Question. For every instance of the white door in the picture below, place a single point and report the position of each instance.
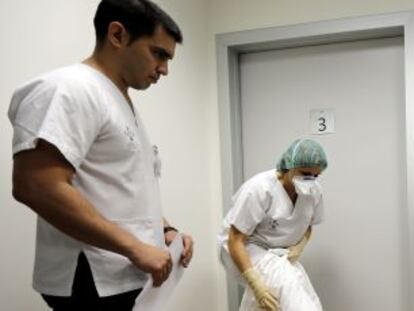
(356, 258)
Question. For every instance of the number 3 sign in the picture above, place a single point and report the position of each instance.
(322, 121)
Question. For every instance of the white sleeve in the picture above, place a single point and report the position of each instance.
(318, 214)
(248, 210)
(64, 115)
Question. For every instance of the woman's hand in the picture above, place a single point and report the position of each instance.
(294, 253)
(296, 250)
(261, 292)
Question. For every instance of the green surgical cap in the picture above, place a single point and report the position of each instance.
(303, 153)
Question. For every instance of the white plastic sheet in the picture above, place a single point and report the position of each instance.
(288, 282)
(155, 298)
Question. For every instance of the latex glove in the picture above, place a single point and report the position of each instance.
(296, 250)
(294, 253)
(261, 292)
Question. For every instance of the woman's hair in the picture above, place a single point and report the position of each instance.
(302, 153)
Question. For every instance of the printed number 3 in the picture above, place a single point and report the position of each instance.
(322, 124)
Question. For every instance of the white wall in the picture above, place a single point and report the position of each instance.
(235, 15)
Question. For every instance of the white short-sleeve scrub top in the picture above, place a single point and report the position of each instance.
(264, 212)
(83, 114)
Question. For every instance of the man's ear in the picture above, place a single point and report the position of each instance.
(117, 35)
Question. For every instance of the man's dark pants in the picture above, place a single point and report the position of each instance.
(85, 297)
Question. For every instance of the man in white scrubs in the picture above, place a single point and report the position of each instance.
(84, 164)
(268, 227)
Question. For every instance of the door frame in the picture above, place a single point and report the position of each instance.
(230, 45)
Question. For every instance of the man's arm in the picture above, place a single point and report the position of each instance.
(42, 181)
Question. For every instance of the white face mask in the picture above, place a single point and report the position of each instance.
(306, 184)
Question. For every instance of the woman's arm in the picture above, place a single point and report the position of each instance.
(241, 258)
(237, 249)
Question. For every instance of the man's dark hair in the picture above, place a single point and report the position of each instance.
(139, 17)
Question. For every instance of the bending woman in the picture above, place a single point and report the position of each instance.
(268, 227)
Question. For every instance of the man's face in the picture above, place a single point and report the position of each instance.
(146, 59)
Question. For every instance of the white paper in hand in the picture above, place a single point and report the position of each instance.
(155, 298)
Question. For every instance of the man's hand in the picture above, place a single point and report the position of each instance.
(188, 250)
(153, 260)
(187, 243)
(170, 236)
